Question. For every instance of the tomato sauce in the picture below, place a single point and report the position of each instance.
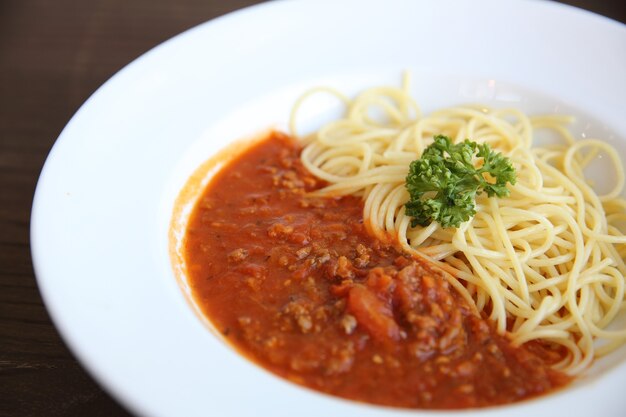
(297, 285)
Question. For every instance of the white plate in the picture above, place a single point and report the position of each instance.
(104, 200)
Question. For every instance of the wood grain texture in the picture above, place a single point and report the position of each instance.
(53, 55)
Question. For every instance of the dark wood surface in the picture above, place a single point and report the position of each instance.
(53, 55)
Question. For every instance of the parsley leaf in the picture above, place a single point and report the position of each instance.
(443, 183)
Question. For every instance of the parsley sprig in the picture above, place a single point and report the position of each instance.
(444, 182)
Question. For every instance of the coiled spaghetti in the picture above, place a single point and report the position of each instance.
(546, 263)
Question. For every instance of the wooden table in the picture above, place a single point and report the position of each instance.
(53, 55)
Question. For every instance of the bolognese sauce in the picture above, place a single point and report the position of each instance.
(297, 285)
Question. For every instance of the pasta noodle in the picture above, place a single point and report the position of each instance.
(545, 263)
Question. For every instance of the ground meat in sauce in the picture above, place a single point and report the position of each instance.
(296, 284)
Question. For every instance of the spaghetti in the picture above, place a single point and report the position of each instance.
(546, 263)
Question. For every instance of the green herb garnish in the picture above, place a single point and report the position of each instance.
(444, 182)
